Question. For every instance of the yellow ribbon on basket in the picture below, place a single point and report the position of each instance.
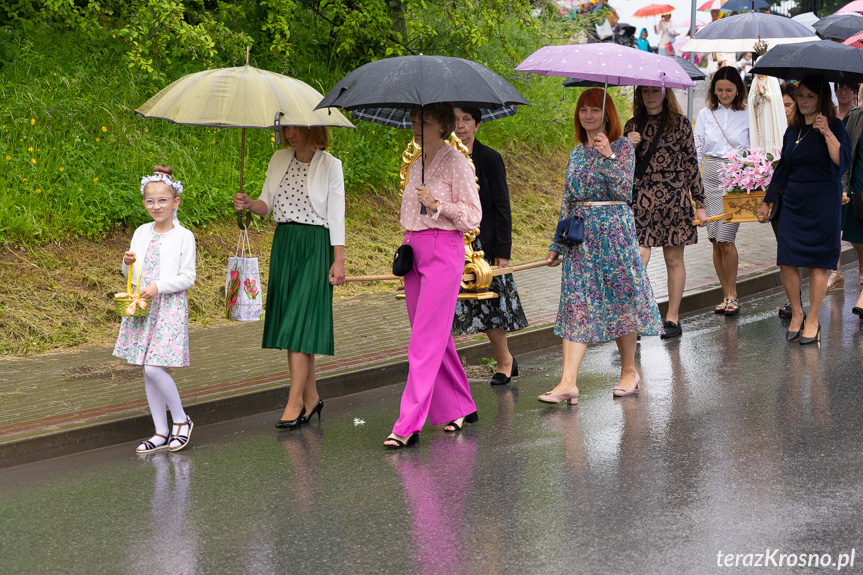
(135, 297)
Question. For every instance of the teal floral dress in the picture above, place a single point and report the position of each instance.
(604, 292)
(162, 336)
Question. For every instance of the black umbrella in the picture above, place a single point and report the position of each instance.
(744, 5)
(739, 33)
(691, 70)
(407, 81)
(833, 61)
(839, 26)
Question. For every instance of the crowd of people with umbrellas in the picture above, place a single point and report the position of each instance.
(628, 188)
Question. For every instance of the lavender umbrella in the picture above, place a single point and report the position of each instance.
(609, 64)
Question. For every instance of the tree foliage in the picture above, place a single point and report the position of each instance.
(156, 35)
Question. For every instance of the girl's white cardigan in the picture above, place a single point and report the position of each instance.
(176, 257)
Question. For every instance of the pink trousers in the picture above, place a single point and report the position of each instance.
(437, 386)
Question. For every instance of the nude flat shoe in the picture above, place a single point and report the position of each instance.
(624, 391)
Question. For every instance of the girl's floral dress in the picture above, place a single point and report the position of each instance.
(604, 292)
(161, 337)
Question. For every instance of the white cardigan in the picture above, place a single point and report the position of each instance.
(176, 257)
(326, 186)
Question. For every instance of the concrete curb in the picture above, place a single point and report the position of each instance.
(133, 428)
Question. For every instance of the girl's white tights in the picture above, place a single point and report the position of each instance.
(162, 390)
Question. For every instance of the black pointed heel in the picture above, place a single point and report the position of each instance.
(316, 409)
(808, 340)
(795, 335)
(857, 311)
(292, 423)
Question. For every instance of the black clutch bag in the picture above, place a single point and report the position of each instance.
(403, 261)
(570, 231)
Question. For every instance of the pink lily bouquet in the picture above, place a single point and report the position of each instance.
(748, 171)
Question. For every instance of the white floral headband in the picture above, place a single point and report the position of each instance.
(161, 177)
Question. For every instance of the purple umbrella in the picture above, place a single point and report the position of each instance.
(612, 64)
(609, 64)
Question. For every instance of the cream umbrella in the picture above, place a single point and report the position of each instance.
(241, 97)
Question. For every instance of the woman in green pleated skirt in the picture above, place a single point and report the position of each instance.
(305, 191)
(299, 314)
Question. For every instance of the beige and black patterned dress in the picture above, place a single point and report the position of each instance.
(662, 199)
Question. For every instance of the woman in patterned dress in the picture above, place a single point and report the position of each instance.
(161, 258)
(605, 293)
(666, 183)
(498, 316)
(305, 190)
(721, 128)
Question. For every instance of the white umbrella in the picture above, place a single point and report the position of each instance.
(807, 19)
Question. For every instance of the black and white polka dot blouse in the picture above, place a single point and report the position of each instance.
(291, 202)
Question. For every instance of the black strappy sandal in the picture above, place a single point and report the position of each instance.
(149, 447)
(413, 439)
(471, 418)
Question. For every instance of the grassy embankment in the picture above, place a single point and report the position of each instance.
(72, 154)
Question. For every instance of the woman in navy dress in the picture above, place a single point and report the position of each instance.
(815, 153)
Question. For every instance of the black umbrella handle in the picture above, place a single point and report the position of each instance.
(423, 209)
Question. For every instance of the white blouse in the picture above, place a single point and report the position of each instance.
(291, 202)
(709, 128)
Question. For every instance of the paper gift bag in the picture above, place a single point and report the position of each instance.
(243, 300)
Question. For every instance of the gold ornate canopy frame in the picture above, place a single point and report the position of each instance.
(475, 287)
(477, 272)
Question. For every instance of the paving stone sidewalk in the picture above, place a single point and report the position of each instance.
(52, 392)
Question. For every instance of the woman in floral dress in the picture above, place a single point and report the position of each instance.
(605, 292)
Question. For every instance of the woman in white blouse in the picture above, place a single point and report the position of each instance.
(305, 191)
(721, 128)
(437, 387)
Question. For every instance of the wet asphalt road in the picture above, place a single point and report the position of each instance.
(739, 443)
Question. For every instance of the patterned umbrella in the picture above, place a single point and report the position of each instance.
(609, 64)
(400, 117)
(856, 40)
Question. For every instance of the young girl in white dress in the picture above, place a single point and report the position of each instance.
(165, 250)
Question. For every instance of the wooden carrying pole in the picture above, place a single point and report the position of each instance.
(496, 271)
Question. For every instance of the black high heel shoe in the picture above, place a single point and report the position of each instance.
(292, 423)
(808, 340)
(857, 311)
(456, 426)
(795, 335)
(316, 409)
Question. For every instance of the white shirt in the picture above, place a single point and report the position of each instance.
(709, 128)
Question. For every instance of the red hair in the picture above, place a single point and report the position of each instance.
(593, 98)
